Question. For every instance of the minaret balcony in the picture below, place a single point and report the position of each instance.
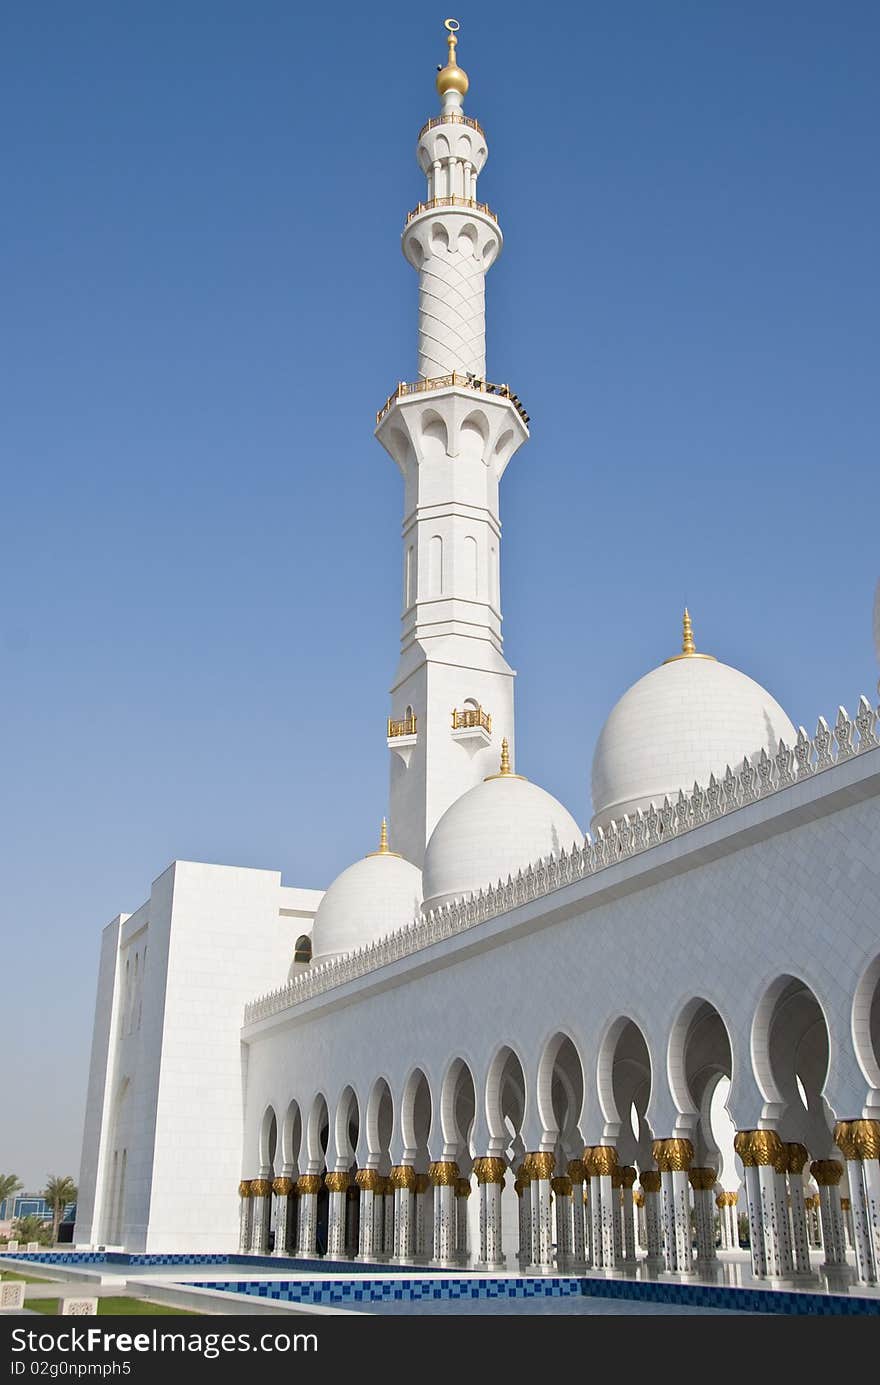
(440, 382)
(469, 203)
(403, 735)
(453, 118)
(472, 725)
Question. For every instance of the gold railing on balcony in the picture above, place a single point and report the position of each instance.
(406, 726)
(471, 716)
(440, 382)
(451, 119)
(451, 202)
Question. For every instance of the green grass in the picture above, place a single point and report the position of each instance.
(114, 1307)
(26, 1278)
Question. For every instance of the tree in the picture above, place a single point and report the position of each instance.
(10, 1184)
(58, 1192)
(31, 1228)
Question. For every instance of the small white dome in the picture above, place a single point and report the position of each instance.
(373, 897)
(683, 721)
(495, 829)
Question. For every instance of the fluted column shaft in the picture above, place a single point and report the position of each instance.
(444, 1174)
(673, 1158)
(245, 1213)
(490, 1180)
(524, 1194)
(859, 1142)
(562, 1193)
(540, 1166)
(369, 1183)
(577, 1174)
(283, 1189)
(261, 1195)
(308, 1186)
(702, 1181)
(337, 1186)
(650, 1181)
(627, 1179)
(462, 1193)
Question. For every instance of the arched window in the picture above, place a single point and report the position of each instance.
(303, 950)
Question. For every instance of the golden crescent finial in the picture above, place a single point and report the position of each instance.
(451, 77)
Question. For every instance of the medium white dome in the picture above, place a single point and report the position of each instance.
(683, 721)
(373, 897)
(495, 829)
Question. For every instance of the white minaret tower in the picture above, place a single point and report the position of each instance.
(452, 435)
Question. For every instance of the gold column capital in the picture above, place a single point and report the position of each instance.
(443, 1173)
(337, 1181)
(540, 1164)
(858, 1139)
(761, 1147)
(282, 1187)
(369, 1180)
(577, 1170)
(638, 1197)
(797, 1157)
(403, 1176)
(260, 1187)
(702, 1180)
(462, 1187)
(561, 1186)
(423, 1182)
(673, 1155)
(308, 1183)
(628, 1176)
(244, 1188)
(602, 1161)
(490, 1169)
(650, 1180)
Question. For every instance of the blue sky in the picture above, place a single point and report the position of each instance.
(203, 304)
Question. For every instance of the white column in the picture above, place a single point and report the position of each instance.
(774, 1212)
(369, 1182)
(577, 1173)
(797, 1158)
(308, 1186)
(540, 1165)
(443, 1174)
(261, 1195)
(724, 1224)
(337, 1186)
(283, 1190)
(703, 1181)
(462, 1193)
(605, 1209)
(859, 1141)
(403, 1181)
(387, 1218)
(523, 1188)
(650, 1181)
(424, 1232)
(627, 1179)
(743, 1146)
(490, 1181)
(673, 1157)
(562, 1193)
(245, 1213)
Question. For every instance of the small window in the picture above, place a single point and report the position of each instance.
(303, 950)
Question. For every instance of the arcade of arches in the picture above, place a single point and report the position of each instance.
(800, 1179)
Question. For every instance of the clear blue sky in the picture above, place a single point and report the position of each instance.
(203, 304)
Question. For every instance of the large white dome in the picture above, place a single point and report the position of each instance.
(495, 829)
(373, 897)
(683, 721)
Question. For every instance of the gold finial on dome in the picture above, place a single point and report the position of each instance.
(383, 848)
(688, 648)
(452, 77)
(687, 634)
(505, 771)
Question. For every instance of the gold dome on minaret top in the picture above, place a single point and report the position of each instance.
(452, 77)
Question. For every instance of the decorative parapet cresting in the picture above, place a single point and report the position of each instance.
(756, 778)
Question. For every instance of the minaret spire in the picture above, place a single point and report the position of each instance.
(452, 433)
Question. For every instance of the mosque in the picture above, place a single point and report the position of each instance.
(498, 1040)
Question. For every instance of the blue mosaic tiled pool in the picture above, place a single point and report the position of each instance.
(532, 1295)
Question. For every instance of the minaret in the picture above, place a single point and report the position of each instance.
(452, 434)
